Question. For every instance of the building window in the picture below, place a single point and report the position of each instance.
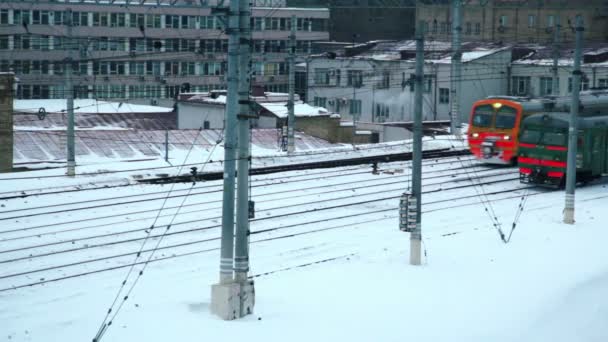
(322, 76)
(354, 78)
(435, 26)
(550, 20)
(584, 84)
(468, 28)
(320, 102)
(444, 95)
(531, 20)
(602, 83)
(503, 21)
(520, 85)
(443, 27)
(382, 112)
(477, 29)
(355, 107)
(427, 83)
(3, 17)
(3, 43)
(546, 86)
(385, 82)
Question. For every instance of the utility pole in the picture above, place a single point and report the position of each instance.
(167, 145)
(241, 257)
(573, 130)
(71, 149)
(223, 300)
(416, 235)
(556, 53)
(291, 144)
(456, 72)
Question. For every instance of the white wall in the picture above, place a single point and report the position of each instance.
(482, 77)
(594, 73)
(193, 115)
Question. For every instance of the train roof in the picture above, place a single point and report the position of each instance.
(562, 120)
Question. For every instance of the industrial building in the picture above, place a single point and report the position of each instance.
(144, 51)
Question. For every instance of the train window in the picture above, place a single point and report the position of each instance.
(505, 117)
(555, 139)
(482, 117)
(530, 137)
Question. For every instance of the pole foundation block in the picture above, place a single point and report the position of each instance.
(233, 300)
(225, 301)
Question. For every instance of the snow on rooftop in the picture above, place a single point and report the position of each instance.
(84, 106)
(300, 109)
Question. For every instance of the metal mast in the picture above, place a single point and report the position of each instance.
(230, 144)
(291, 146)
(416, 235)
(71, 148)
(572, 133)
(555, 81)
(456, 72)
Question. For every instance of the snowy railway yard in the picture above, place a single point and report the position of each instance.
(328, 259)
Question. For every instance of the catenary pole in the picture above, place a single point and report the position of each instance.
(71, 148)
(556, 49)
(456, 70)
(291, 144)
(416, 235)
(573, 130)
(230, 144)
(241, 257)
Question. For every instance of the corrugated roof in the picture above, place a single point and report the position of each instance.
(49, 145)
(58, 121)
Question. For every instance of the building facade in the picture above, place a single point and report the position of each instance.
(377, 87)
(532, 76)
(366, 20)
(515, 21)
(143, 51)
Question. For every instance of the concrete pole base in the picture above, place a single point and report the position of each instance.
(569, 216)
(415, 249)
(232, 300)
(71, 169)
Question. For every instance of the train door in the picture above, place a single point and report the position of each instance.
(597, 151)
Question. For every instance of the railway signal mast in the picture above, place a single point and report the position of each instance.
(573, 130)
(233, 296)
(410, 211)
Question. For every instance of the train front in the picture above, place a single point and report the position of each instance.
(543, 149)
(493, 130)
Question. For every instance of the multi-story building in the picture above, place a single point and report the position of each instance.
(376, 86)
(365, 20)
(145, 51)
(532, 74)
(517, 21)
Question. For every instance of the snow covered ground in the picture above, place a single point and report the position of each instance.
(331, 261)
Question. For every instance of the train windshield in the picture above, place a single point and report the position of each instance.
(529, 136)
(505, 117)
(482, 117)
(555, 139)
(496, 115)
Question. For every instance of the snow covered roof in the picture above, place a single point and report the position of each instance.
(219, 98)
(300, 109)
(435, 51)
(594, 54)
(82, 106)
(49, 145)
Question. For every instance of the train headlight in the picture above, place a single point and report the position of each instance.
(497, 105)
(475, 135)
(507, 137)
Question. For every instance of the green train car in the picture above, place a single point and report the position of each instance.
(543, 148)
